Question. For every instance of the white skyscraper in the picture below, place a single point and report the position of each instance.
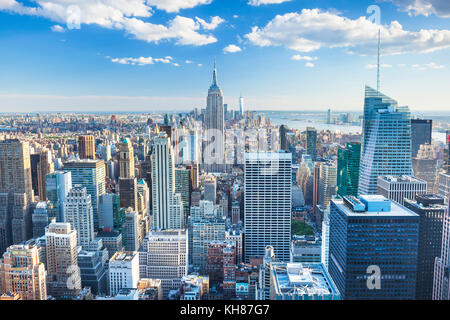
(78, 212)
(167, 206)
(214, 153)
(267, 203)
(241, 105)
(164, 255)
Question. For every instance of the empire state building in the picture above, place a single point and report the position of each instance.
(214, 156)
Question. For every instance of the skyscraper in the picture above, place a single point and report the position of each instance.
(58, 185)
(22, 272)
(123, 271)
(167, 207)
(183, 187)
(425, 166)
(373, 244)
(348, 169)
(214, 153)
(86, 147)
(267, 204)
(431, 209)
(441, 283)
(126, 160)
(16, 193)
(311, 142)
(386, 148)
(91, 175)
(78, 212)
(283, 138)
(63, 274)
(421, 130)
(401, 188)
(241, 106)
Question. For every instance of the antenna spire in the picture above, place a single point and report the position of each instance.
(215, 73)
(378, 61)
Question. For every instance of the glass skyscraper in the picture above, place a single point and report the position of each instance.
(386, 148)
(348, 169)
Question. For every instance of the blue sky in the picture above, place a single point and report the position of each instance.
(145, 55)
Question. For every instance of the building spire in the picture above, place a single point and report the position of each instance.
(214, 74)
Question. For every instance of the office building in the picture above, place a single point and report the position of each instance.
(421, 130)
(78, 212)
(164, 255)
(22, 273)
(430, 209)
(58, 185)
(183, 187)
(348, 169)
(210, 185)
(167, 207)
(86, 147)
(306, 249)
(93, 271)
(126, 160)
(63, 275)
(401, 188)
(267, 204)
(16, 193)
(311, 142)
(373, 248)
(301, 281)
(131, 232)
(384, 124)
(90, 174)
(123, 271)
(327, 185)
(425, 166)
(40, 219)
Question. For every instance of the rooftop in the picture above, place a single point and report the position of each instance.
(401, 179)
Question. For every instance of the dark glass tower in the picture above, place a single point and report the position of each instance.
(348, 169)
(421, 130)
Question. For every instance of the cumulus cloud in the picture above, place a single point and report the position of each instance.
(215, 21)
(312, 29)
(57, 28)
(309, 65)
(258, 3)
(424, 7)
(123, 15)
(298, 57)
(231, 49)
(427, 66)
(143, 61)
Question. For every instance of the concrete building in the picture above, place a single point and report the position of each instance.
(22, 273)
(399, 188)
(306, 249)
(86, 147)
(78, 212)
(123, 271)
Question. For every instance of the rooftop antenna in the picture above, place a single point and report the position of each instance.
(378, 61)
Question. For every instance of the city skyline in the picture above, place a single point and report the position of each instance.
(153, 55)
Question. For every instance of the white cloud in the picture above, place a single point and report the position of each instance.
(309, 65)
(176, 5)
(215, 21)
(312, 29)
(57, 28)
(231, 49)
(143, 61)
(427, 66)
(200, 65)
(298, 57)
(123, 15)
(258, 3)
(424, 7)
(188, 61)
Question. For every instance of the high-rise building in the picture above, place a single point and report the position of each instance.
(386, 148)
(210, 185)
(164, 255)
(283, 138)
(63, 274)
(16, 193)
(221, 262)
(183, 187)
(86, 147)
(22, 273)
(311, 142)
(431, 209)
(91, 175)
(373, 248)
(425, 166)
(348, 169)
(123, 271)
(167, 207)
(128, 193)
(93, 272)
(40, 219)
(441, 283)
(267, 204)
(214, 153)
(44, 167)
(401, 188)
(327, 185)
(58, 185)
(126, 160)
(78, 212)
(241, 106)
(421, 130)
(131, 232)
